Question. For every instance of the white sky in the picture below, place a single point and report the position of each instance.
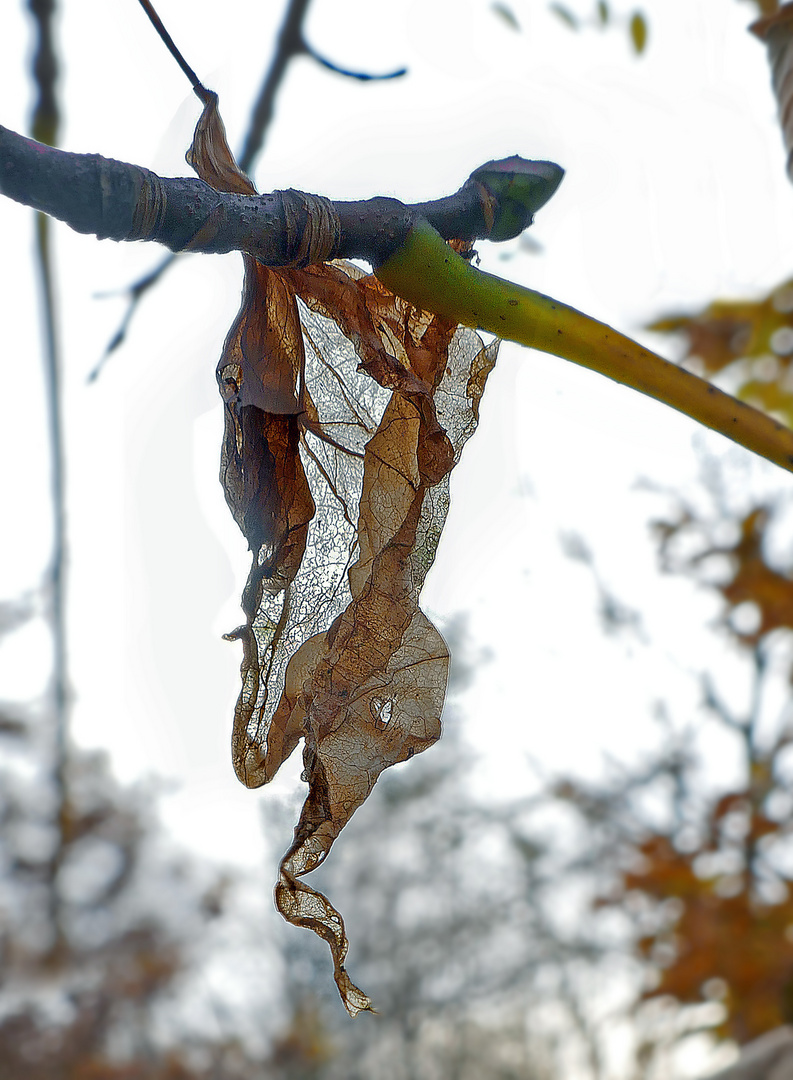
(675, 193)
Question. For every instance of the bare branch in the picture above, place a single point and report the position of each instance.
(289, 44)
(44, 125)
(362, 76)
(119, 201)
(170, 44)
(134, 293)
(712, 701)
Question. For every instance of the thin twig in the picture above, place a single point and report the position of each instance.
(288, 45)
(361, 76)
(134, 292)
(44, 127)
(117, 200)
(170, 44)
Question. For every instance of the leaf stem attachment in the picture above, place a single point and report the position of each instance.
(425, 271)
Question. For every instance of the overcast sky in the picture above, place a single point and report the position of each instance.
(675, 193)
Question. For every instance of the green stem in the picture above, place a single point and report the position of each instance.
(425, 271)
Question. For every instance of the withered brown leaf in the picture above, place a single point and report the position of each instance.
(346, 409)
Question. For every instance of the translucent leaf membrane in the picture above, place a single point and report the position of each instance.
(346, 409)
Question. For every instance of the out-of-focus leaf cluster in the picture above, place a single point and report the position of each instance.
(605, 16)
(750, 577)
(750, 341)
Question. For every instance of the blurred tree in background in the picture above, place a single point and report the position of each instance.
(699, 871)
(101, 924)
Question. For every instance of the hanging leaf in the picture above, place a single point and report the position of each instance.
(638, 28)
(603, 12)
(346, 408)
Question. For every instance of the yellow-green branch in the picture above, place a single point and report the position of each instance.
(425, 271)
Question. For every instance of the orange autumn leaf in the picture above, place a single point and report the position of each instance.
(706, 884)
(721, 931)
(709, 925)
(346, 408)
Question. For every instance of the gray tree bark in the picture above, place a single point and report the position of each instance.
(118, 201)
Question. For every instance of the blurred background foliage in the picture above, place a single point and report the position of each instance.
(499, 938)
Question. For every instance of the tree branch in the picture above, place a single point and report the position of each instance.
(289, 44)
(118, 201)
(44, 125)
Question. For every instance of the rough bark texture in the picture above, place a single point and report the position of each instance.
(345, 409)
(119, 201)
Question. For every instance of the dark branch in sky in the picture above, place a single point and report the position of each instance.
(362, 76)
(289, 44)
(119, 201)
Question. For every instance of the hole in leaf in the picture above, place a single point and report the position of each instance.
(381, 710)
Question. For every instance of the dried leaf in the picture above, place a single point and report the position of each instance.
(345, 410)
